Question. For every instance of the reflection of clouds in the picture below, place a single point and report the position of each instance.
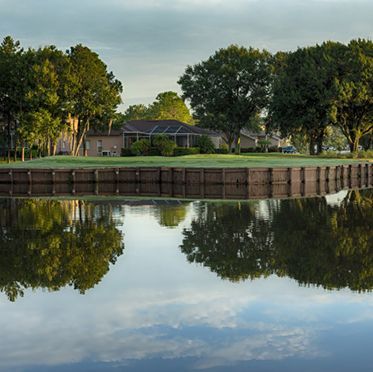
(155, 304)
(275, 345)
(145, 324)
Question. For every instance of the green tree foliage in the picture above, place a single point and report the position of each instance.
(334, 138)
(353, 103)
(45, 92)
(141, 147)
(205, 145)
(305, 239)
(302, 94)
(169, 106)
(52, 244)
(13, 82)
(164, 144)
(229, 89)
(95, 94)
(136, 112)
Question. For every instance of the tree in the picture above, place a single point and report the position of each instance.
(230, 88)
(302, 94)
(45, 244)
(136, 112)
(353, 103)
(169, 106)
(46, 100)
(236, 243)
(12, 88)
(95, 93)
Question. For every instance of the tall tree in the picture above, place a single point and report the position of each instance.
(12, 88)
(136, 112)
(302, 94)
(168, 106)
(46, 98)
(229, 89)
(353, 104)
(96, 93)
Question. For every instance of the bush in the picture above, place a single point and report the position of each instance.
(181, 151)
(205, 145)
(250, 149)
(274, 149)
(164, 145)
(221, 151)
(141, 147)
(366, 154)
(126, 152)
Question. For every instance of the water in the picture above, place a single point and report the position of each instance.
(142, 285)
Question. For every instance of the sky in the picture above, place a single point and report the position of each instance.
(149, 43)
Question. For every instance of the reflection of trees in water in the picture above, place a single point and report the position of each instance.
(171, 215)
(51, 244)
(306, 239)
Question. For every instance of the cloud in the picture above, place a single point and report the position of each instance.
(148, 43)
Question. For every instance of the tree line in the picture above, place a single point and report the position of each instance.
(304, 94)
(300, 93)
(50, 244)
(45, 92)
(237, 244)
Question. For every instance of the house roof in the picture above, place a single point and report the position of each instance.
(106, 133)
(255, 135)
(164, 127)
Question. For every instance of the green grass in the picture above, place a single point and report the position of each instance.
(207, 161)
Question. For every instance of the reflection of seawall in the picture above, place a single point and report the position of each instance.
(187, 191)
(221, 183)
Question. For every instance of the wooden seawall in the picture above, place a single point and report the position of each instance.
(187, 182)
(206, 176)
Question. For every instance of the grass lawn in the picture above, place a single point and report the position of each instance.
(207, 161)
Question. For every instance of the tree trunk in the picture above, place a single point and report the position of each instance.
(312, 146)
(9, 139)
(319, 142)
(81, 138)
(54, 148)
(23, 152)
(237, 143)
(15, 150)
(354, 144)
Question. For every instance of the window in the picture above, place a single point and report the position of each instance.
(99, 146)
(87, 145)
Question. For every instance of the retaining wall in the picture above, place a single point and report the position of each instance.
(237, 183)
(205, 176)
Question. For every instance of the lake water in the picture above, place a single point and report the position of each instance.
(168, 285)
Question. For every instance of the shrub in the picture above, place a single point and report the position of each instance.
(180, 151)
(126, 152)
(263, 143)
(366, 154)
(141, 147)
(205, 145)
(164, 145)
(250, 149)
(223, 149)
(274, 149)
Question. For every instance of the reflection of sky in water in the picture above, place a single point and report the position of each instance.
(155, 311)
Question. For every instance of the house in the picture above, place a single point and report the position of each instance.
(183, 134)
(98, 143)
(101, 143)
(250, 139)
(110, 143)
